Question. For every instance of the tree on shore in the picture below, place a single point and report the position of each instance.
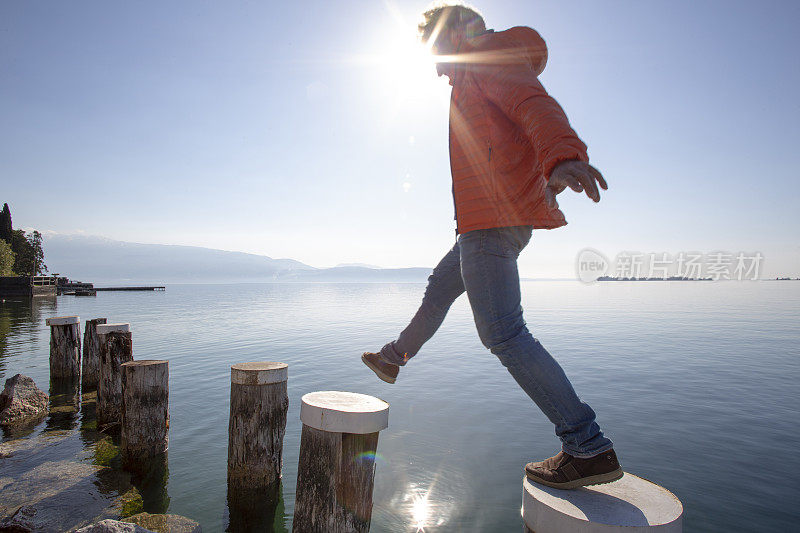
(29, 253)
(5, 224)
(7, 257)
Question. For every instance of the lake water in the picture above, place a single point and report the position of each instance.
(696, 384)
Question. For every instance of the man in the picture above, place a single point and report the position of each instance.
(512, 151)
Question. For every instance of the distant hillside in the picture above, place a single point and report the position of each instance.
(103, 261)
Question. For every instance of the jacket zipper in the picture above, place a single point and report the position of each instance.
(455, 213)
(452, 178)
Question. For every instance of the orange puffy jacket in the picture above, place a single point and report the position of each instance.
(506, 133)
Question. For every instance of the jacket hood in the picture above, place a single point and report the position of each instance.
(516, 45)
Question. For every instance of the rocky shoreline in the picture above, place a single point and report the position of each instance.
(59, 474)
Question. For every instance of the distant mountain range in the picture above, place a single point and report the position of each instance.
(102, 261)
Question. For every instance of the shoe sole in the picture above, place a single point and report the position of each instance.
(599, 479)
(384, 377)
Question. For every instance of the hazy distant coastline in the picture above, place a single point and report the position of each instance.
(101, 260)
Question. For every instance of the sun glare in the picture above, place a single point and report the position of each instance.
(419, 511)
(403, 62)
(400, 68)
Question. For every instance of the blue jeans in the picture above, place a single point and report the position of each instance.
(484, 264)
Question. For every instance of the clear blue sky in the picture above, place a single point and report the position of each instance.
(284, 129)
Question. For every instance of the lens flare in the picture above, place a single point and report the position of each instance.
(370, 457)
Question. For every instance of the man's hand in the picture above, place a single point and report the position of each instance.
(578, 176)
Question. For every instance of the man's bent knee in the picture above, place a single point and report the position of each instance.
(500, 334)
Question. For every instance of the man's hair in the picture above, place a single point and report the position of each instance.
(442, 16)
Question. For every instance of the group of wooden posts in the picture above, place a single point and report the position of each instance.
(131, 395)
(338, 441)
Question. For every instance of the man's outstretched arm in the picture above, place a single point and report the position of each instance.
(517, 92)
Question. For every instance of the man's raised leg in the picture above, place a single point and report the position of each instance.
(444, 286)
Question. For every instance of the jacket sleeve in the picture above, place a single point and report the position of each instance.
(516, 91)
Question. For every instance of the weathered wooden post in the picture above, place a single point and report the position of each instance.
(628, 505)
(336, 468)
(116, 347)
(145, 413)
(65, 347)
(90, 375)
(256, 425)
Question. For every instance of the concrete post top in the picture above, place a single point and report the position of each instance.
(344, 412)
(63, 320)
(105, 329)
(145, 362)
(630, 505)
(259, 373)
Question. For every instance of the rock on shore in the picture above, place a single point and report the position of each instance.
(165, 523)
(113, 526)
(21, 401)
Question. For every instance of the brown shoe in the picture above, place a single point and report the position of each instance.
(386, 371)
(563, 471)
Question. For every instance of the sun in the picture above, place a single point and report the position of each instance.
(409, 62)
(403, 64)
(401, 68)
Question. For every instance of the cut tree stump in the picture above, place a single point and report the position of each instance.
(256, 425)
(116, 347)
(90, 376)
(65, 347)
(336, 469)
(145, 412)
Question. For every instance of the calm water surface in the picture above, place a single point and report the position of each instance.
(696, 383)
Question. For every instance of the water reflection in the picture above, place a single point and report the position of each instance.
(417, 503)
(256, 509)
(19, 323)
(427, 497)
(420, 508)
(89, 434)
(64, 404)
(20, 430)
(151, 480)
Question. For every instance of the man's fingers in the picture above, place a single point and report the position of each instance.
(573, 182)
(579, 176)
(586, 181)
(573, 179)
(599, 177)
(589, 183)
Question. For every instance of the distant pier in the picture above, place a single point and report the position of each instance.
(143, 288)
(80, 288)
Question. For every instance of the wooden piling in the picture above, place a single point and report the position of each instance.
(116, 347)
(256, 425)
(90, 375)
(65, 347)
(336, 469)
(145, 412)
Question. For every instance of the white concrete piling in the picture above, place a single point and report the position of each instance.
(628, 505)
(336, 469)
